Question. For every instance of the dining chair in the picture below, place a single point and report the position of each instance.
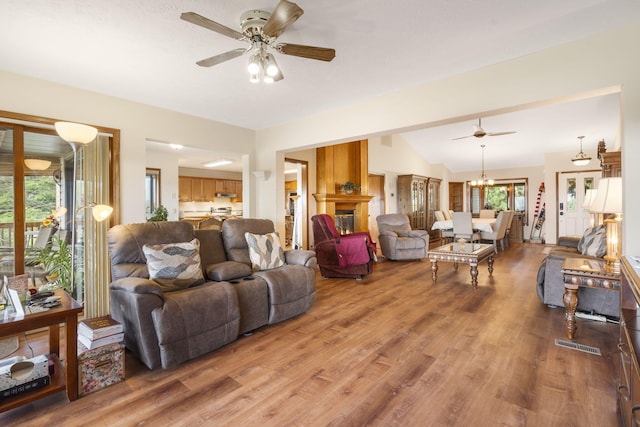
(446, 235)
(509, 221)
(487, 213)
(463, 227)
(447, 215)
(439, 216)
(499, 231)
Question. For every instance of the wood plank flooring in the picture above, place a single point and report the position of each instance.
(389, 350)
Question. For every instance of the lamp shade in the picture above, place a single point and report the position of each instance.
(589, 197)
(76, 132)
(609, 196)
(101, 212)
(37, 164)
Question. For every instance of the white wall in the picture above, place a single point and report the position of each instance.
(168, 165)
(21, 94)
(579, 69)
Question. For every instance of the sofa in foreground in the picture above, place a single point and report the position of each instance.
(181, 293)
(550, 286)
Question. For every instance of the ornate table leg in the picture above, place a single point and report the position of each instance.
(490, 263)
(570, 299)
(474, 275)
(455, 266)
(434, 270)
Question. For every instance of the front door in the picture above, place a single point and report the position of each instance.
(573, 218)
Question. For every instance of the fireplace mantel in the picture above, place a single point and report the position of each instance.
(342, 198)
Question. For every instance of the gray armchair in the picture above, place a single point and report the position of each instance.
(398, 241)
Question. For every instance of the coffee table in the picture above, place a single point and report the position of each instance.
(465, 253)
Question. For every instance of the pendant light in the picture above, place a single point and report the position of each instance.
(581, 159)
(483, 178)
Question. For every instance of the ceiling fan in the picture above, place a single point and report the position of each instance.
(261, 29)
(478, 132)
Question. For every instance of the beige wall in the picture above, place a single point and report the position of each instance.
(600, 64)
(574, 70)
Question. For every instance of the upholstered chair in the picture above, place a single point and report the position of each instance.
(487, 213)
(499, 230)
(398, 241)
(349, 255)
(445, 235)
(463, 227)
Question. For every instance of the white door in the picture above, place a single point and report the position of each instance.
(573, 219)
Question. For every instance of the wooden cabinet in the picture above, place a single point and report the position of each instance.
(413, 199)
(516, 233)
(629, 345)
(196, 189)
(433, 205)
(184, 189)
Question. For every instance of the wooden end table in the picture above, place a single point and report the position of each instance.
(593, 273)
(467, 253)
(64, 377)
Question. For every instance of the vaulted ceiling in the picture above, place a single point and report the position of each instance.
(142, 51)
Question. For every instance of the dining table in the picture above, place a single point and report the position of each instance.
(479, 224)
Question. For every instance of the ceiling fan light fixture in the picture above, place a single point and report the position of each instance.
(581, 159)
(254, 65)
(271, 68)
(254, 78)
(267, 79)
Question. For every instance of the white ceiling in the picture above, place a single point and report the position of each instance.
(141, 51)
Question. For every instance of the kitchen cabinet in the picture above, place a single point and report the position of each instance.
(225, 186)
(197, 190)
(209, 189)
(238, 192)
(184, 189)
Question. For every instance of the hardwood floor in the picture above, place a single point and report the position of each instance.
(391, 349)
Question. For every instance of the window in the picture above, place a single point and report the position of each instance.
(508, 194)
(152, 191)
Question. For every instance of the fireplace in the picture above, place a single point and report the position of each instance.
(345, 221)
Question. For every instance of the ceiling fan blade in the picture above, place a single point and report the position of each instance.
(207, 23)
(500, 133)
(462, 137)
(310, 52)
(217, 59)
(285, 14)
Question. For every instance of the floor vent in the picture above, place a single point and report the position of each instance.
(580, 347)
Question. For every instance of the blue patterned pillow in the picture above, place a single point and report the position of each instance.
(594, 242)
(265, 251)
(174, 266)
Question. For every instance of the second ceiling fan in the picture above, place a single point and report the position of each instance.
(261, 29)
(478, 132)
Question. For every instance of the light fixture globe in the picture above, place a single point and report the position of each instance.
(581, 159)
(37, 164)
(76, 132)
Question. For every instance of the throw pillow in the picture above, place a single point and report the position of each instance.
(174, 266)
(594, 242)
(265, 251)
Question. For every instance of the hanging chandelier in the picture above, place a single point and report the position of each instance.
(483, 178)
(581, 159)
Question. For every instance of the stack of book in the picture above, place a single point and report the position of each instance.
(100, 331)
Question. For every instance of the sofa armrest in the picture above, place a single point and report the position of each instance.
(301, 257)
(418, 233)
(569, 241)
(227, 270)
(137, 285)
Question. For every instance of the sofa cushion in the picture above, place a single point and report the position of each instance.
(594, 242)
(265, 251)
(228, 270)
(174, 265)
(400, 230)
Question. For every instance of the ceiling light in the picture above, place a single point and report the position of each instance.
(581, 159)
(254, 64)
(272, 66)
(176, 146)
(217, 163)
(483, 178)
(37, 164)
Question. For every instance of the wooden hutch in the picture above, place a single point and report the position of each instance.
(419, 198)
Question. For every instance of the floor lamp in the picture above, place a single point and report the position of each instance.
(77, 135)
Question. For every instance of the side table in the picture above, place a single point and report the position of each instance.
(64, 378)
(578, 272)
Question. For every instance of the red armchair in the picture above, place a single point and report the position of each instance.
(348, 255)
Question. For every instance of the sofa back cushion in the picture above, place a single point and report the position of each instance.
(125, 242)
(235, 243)
(211, 246)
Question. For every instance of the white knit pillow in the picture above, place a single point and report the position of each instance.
(265, 251)
(174, 265)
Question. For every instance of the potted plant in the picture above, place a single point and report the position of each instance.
(349, 187)
(56, 261)
(160, 214)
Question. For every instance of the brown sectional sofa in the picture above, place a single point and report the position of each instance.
(165, 328)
